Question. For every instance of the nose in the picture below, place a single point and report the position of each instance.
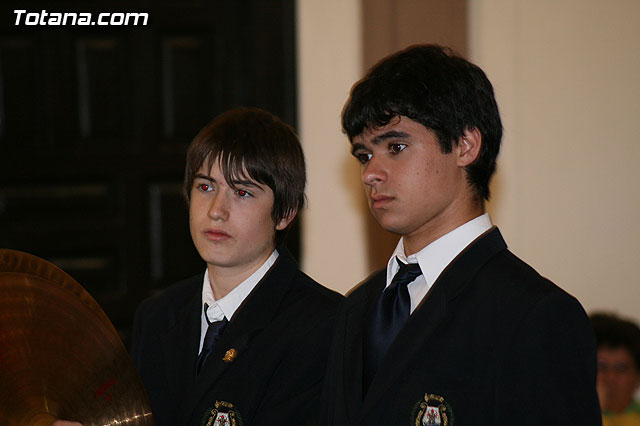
(607, 376)
(219, 207)
(374, 172)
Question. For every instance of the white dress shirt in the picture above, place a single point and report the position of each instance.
(227, 306)
(436, 256)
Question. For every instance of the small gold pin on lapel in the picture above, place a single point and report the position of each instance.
(230, 355)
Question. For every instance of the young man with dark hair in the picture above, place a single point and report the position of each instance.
(243, 343)
(456, 330)
(618, 351)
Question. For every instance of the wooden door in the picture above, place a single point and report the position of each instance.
(94, 125)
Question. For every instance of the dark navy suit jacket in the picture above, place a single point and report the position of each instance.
(493, 343)
(280, 335)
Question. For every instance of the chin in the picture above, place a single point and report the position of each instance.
(214, 258)
(390, 226)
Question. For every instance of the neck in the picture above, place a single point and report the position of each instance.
(225, 279)
(438, 227)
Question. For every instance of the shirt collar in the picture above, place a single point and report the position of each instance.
(436, 256)
(227, 306)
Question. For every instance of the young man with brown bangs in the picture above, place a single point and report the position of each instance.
(244, 343)
(456, 330)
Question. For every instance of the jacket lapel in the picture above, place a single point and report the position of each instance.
(182, 343)
(358, 315)
(256, 312)
(432, 312)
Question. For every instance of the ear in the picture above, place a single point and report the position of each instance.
(469, 145)
(286, 221)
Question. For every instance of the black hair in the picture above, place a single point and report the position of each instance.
(614, 332)
(442, 91)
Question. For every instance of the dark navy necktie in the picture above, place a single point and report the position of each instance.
(214, 331)
(387, 318)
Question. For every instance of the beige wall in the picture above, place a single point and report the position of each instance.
(329, 61)
(566, 196)
(566, 79)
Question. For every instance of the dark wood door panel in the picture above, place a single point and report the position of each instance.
(94, 125)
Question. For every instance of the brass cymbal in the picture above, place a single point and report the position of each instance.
(60, 356)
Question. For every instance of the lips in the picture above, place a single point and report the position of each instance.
(379, 201)
(216, 235)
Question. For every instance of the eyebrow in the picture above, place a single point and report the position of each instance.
(205, 177)
(238, 182)
(391, 134)
(242, 182)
